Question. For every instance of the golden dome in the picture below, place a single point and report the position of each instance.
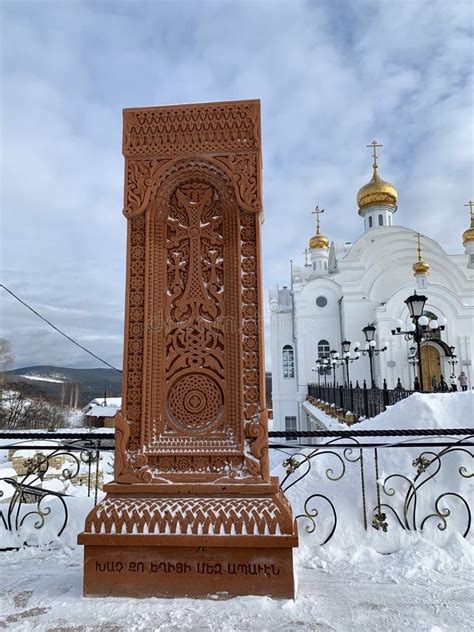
(319, 241)
(468, 235)
(377, 191)
(420, 267)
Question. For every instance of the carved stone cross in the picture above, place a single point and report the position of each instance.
(193, 510)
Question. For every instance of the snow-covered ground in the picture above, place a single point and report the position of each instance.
(423, 588)
(361, 580)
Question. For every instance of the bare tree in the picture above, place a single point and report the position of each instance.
(6, 362)
(20, 409)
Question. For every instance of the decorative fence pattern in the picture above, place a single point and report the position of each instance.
(441, 463)
(41, 463)
(360, 401)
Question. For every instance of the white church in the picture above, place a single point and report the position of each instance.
(343, 287)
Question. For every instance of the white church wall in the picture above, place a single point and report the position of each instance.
(315, 323)
(283, 388)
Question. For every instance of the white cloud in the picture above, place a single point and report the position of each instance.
(331, 76)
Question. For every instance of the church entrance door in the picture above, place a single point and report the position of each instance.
(431, 364)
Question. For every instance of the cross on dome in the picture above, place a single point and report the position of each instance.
(374, 146)
(468, 235)
(317, 211)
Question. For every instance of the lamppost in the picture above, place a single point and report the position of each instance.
(370, 350)
(335, 362)
(452, 360)
(421, 328)
(346, 356)
(323, 366)
(413, 360)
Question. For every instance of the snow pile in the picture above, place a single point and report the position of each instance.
(427, 411)
(334, 476)
(420, 410)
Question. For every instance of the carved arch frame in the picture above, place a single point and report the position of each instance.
(147, 182)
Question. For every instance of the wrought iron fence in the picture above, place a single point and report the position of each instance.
(439, 464)
(386, 499)
(360, 401)
(36, 465)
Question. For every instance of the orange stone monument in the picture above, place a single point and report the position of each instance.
(193, 510)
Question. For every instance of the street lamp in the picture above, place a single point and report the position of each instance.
(416, 305)
(421, 328)
(452, 360)
(323, 366)
(370, 349)
(335, 362)
(346, 356)
(413, 360)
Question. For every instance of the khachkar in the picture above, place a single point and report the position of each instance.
(192, 510)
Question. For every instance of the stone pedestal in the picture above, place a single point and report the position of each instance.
(222, 543)
(192, 510)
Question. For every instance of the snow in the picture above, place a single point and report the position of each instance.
(422, 588)
(114, 402)
(427, 411)
(42, 379)
(102, 411)
(420, 410)
(360, 580)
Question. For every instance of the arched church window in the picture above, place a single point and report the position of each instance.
(323, 349)
(380, 220)
(370, 222)
(288, 361)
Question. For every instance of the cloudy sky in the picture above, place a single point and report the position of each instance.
(331, 75)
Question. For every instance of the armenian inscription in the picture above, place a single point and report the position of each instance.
(191, 458)
(202, 568)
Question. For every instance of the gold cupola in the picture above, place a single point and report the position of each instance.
(420, 267)
(318, 240)
(468, 235)
(376, 191)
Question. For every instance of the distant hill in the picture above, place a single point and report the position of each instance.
(49, 380)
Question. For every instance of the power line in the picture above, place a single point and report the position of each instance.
(59, 330)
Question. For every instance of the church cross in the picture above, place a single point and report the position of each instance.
(418, 238)
(471, 207)
(306, 255)
(317, 211)
(374, 146)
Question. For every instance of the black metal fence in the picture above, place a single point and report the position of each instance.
(360, 401)
(430, 488)
(36, 465)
